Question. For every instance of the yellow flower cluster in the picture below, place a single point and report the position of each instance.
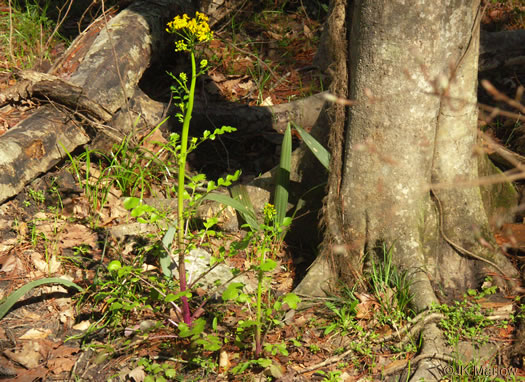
(269, 212)
(192, 31)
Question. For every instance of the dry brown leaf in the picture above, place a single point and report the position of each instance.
(77, 234)
(82, 325)
(65, 351)
(26, 315)
(224, 362)
(35, 334)
(60, 365)
(307, 32)
(137, 374)
(29, 356)
(9, 263)
(273, 35)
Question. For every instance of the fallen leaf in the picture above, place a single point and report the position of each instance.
(67, 316)
(9, 263)
(224, 361)
(83, 325)
(64, 351)
(29, 356)
(137, 374)
(267, 101)
(76, 234)
(307, 32)
(35, 334)
(60, 365)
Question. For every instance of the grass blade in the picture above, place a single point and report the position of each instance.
(166, 262)
(317, 149)
(239, 205)
(20, 292)
(283, 176)
(240, 193)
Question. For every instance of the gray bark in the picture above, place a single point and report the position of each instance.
(413, 72)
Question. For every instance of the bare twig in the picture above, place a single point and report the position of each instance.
(11, 28)
(60, 21)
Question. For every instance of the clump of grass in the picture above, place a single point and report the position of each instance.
(27, 34)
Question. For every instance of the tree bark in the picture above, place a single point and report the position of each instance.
(409, 138)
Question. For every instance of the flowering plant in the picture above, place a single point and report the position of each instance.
(191, 31)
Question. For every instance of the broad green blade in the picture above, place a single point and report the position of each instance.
(317, 149)
(247, 215)
(20, 292)
(283, 176)
(240, 194)
(165, 258)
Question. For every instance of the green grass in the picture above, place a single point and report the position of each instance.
(27, 34)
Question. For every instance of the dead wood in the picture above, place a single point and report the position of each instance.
(218, 10)
(35, 145)
(50, 87)
(267, 121)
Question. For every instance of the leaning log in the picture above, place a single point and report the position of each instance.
(107, 62)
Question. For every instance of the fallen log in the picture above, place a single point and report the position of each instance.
(47, 86)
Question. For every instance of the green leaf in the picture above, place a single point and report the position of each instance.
(232, 291)
(115, 306)
(17, 294)
(283, 176)
(317, 149)
(131, 202)
(210, 343)
(170, 297)
(141, 210)
(170, 373)
(165, 260)
(246, 214)
(292, 300)
(268, 265)
(264, 362)
(115, 265)
(174, 297)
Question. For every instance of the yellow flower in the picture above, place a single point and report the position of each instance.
(201, 17)
(179, 22)
(180, 46)
(192, 31)
(269, 212)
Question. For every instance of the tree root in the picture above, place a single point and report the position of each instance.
(415, 327)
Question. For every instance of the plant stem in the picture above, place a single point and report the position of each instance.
(258, 328)
(180, 193)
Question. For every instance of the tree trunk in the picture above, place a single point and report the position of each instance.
(408, 140)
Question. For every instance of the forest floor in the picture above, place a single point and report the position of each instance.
(124, 324)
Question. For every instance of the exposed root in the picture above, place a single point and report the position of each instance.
(406, 333)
